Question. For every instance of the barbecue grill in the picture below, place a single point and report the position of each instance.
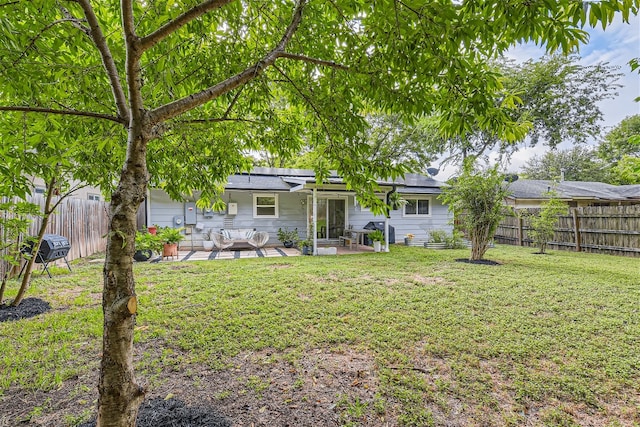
(52, 247)
(379, 225)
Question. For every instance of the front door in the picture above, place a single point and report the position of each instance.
(332, 214)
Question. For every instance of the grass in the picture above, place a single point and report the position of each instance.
(554, 338)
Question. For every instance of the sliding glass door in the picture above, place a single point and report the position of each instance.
(332, 214)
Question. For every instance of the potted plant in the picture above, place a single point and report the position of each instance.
(408, 239)
(153, 229)
(377, 237)
(395, 200)
(207, 240)
(146, 244)
(170, 237)
(306, 246)
(289, 238)
(437, 239)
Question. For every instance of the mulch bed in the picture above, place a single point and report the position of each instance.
(29, 307)
(175, 413)
(478, 261)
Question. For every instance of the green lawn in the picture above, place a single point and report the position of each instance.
(539, 340)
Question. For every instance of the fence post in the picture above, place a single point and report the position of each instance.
(520, 239)
(576, 228)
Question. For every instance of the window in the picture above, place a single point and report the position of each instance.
(40, 190)
(265, 205)
(417, 206)
(95, 197)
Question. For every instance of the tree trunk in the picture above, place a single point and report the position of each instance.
(120, 395)
(36, 245)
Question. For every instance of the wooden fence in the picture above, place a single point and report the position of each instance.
(602, 229)
(83, 222)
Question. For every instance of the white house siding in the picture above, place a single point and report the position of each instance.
(292, 213)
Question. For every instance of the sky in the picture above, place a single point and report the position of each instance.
(616, 45)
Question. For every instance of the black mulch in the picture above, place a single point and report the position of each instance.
(478, 261)
(29, 307)
(174, 413)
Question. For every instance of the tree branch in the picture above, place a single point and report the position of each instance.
(132, 64)
(119, 120)
(107, 59)
(180, 106)
(75, 21)
(216, 120)
(316, 61)
(233, 102)
(170, 27)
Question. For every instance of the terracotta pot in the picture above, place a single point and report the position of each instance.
(170, 250)
(152, 230)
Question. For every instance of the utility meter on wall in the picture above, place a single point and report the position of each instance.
(190, 213)
(178, 221)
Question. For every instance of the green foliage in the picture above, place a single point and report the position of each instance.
(287, 235)
(15, 218)
(476, 198)
(438, 236)
(543, 223)
(455, 240)
(553, 99)
(576, 164)
(621, 149)
(377, 236)
(146, 241)
(170, 235)
(620, 141)
(628, 170)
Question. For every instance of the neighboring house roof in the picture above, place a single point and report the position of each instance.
(572, 190)
(281, 179)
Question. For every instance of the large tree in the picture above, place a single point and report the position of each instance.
(191, 86)
(556, 97)
(621, 149)
(580, 163)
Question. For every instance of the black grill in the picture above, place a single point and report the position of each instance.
(379, 225)
(52, 247)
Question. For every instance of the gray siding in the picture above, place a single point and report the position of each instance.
(440, 218)
(292, 214)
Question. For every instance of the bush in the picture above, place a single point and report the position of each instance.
(476, 198)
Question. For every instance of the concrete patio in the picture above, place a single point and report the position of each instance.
(267, 252)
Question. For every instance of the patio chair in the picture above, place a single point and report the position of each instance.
(259, 239)
(220, 242)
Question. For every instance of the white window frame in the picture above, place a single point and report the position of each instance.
(40, 190)
(95, 197)
(256, 206)
(416, 198)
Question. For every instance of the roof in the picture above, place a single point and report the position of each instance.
(282, 179)
(536, 189)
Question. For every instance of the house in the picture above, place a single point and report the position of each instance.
(530, 193)
(267, 199)
(82, 191)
